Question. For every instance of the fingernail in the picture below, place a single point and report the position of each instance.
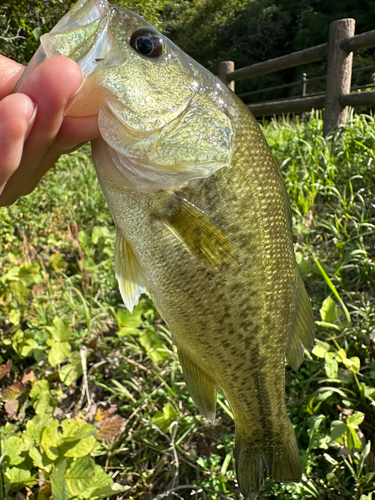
(72, 98)
(31, 121)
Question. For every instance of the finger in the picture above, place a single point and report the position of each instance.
(17, 111)
(10, 71)
(51, 86)
(73, 133)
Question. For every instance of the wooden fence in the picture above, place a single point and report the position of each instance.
(337, 97)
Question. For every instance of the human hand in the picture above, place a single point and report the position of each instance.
(34, 131)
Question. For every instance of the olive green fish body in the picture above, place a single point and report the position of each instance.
(233, 323)
(203, 222)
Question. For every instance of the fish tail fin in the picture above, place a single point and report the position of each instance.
(255, 461)
(287, 465)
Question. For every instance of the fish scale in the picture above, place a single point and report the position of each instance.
(203, 223)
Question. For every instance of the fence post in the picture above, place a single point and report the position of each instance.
(226, 67)
(339, 74)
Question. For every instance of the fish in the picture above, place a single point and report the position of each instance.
(203, 224)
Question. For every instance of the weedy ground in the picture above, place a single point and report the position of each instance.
(93, 403)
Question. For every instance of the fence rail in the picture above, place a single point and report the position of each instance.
(337, 97)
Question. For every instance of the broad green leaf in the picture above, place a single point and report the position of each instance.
(41, 460)
(354, 364)
(56, 262)
(73, 370)
(35, 427)
(328, 311)
(108, 491)
(333, 289)
(170, 412)
(315, 421)
(84, 240)
(356, 441)
(341, 356)
(15, 316)
(127, 330)
(365, 452)
(99, 232)
(37, 32)
(59, 330)
(51, 440)
(330, 365)
(28, 346)
(338, 429)
(153, 346)
(39, 387)
(164, 420)
(44, 402)
(82, 448)
(73, 430)
(354, 421)
(12, 448)
(321, 348)
(18, 479)
(23, 342)
(160, 421)
(44, 405)
(58, 484)
(322, 396)
(128, 319)
(20, 291)
(69, 373)
(80, 475)
(369, 392)
(29, 273)
(59, 352)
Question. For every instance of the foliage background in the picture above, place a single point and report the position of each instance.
(245, 31)
(93, 401)
(105, 389)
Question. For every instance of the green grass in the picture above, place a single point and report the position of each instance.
(78, 356)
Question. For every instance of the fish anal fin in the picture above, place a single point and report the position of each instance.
(128, 273)
(256, 461)
(302, 335)
(198, 233)
(201, 386)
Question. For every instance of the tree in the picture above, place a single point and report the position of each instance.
(22, 22)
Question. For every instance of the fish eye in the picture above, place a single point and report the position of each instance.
(147, 42)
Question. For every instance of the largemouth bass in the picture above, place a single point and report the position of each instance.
(203, 223)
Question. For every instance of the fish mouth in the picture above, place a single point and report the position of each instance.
(81, 35)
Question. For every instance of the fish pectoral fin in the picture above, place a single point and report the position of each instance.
(128, 273)
(303, 333)
(197, 233)
(201, 386)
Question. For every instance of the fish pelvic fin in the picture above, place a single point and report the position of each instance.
(201, 386)
(303, 333)
(128, 273)
(198, 233)
(255, 461)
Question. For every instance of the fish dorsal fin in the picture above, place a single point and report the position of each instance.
(198, 233)
(303, 333)
(202, 388)
(128, 273)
